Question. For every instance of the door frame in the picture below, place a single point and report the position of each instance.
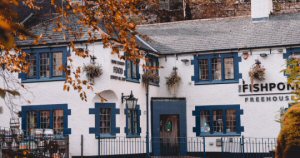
(168, 106)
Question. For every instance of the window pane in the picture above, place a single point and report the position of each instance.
(218, 121)
(203, 69)
(105, 120)
(57, 62)
(128, 66)
(216, 69)
(231, 121)
(58, 122)
(134, 70)
(45, 119)
(31, 120)
(229, 68)
(32, 68)
(44, 65)
(132, 119)
(205, 121)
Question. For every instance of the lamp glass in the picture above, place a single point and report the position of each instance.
(131, 103)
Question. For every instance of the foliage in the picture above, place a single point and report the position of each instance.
(92, 71)
(173, 79)
(110, 18)
(288, 139)
(150, 77)
(293, 72)
(288, 145)
(257, 71)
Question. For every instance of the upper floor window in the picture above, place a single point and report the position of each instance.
(216, 68)
(153, 65)
(46, 117)
(218, 120)
(105, 120)
(132, 71)
(45, 64)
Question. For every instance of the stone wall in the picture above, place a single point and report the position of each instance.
(201, 10)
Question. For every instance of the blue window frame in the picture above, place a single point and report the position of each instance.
(218, 120)
(133, 128)
(132, 71)
(152, 62)
(216, 68)
(46, 116)
(290, 53)
(45, 64)
(105, 120)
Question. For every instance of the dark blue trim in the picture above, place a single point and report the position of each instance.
(168, 107)
(37, 52)
(139, 130)
(96, 111)
(50, 108)
(288, 53)
(209, 57)
(131, 78)
(291, 51)
(210, 108)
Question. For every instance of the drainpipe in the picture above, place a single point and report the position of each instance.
(147, 120)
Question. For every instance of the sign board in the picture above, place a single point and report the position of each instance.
(266, 92)
(118, 70)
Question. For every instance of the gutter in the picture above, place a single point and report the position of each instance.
(231, 49)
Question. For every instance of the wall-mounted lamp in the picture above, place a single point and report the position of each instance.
(263, 55)
(185, 61)
(131, 101)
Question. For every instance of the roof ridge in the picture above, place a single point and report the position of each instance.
(195, 20)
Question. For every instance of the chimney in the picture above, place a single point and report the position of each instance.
(261, 9)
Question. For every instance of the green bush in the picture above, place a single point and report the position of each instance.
(288, 145)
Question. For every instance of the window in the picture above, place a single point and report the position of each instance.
(132, 71)
(105, 120)
(133, 122)
(153, 64)
(45, 64)
(218, 120)
(170, 4)
(216, 68)
(46, 117)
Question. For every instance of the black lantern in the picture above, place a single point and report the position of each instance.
(131, 101)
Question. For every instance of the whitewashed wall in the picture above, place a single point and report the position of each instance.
(258, 119)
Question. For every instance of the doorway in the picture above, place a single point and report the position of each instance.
(169, 135)
(168, 121)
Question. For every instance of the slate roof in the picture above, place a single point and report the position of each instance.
(222, 34)
(50, 37)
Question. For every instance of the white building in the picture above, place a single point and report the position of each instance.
(214, 99)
